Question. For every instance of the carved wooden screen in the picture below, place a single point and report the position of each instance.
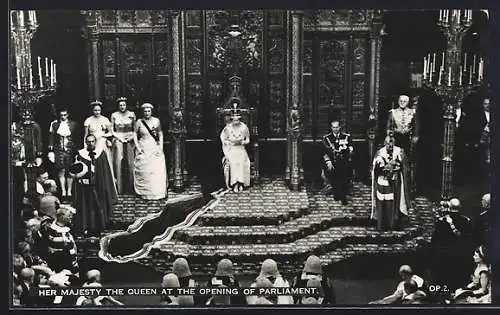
(336, 75)
(274, 114)
(134, 58)
(335, 80)
(263, 84)
(195, 84)
(135, 66)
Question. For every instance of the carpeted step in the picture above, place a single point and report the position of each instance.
(288, 265)
(267, 234)
(318, 243)
(269, 203)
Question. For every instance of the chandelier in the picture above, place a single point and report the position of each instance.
(26, 89)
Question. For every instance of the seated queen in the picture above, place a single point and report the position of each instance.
(236, 163)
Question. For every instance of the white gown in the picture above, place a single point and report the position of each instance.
(150, 173)
(235, 162)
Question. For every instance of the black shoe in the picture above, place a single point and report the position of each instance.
(344, 202)
(336, 198)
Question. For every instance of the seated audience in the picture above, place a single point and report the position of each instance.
(225, 278)
(480, 284)
(415, 295)
(169, 280)
(406, 273)
(49, 203)
(269, 271)
(312, 270)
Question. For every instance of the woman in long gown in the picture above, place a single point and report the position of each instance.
(236, 162)
(100, 127)
(123, 122)
(150, 172)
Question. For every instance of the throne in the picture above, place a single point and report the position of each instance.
(235, 101)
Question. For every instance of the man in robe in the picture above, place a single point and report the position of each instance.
(403, 124)
(95, 192)
(236, 162)
(390, 196)
(337, 152)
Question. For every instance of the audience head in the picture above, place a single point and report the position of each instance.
(18, 263)
(486, 104)
(93, 276)
(269, 269)
(410, 286)
(65, 214)
(27, 275)
(405, 272)
(23, 248)
(42, 176)
(50, 185)
(263, 282)
(33, 225)
(403, 101)
(320, 294)
(486, 201)
(313, 265)
(170, 280)
(180, 267)
(480, 255)
(224, 268)
(315, 298)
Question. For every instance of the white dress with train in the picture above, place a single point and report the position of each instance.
(150, 173)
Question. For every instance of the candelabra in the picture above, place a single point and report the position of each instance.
(457, 77)
(25, 93)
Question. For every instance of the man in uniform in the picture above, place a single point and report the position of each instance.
(403, 125)
(337, 152)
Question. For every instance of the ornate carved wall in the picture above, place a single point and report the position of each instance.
(129, 56)
(336, 70)
(130, 53)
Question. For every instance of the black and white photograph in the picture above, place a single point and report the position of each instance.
(233, 158)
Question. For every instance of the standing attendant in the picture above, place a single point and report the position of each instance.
(100, 127)
(390, 197)
(484, 141)
(150, 171)
(123, 125)
(403, 125)
(337, 152)
(63, 134)
(95, 192)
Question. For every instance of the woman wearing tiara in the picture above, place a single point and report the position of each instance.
(100, 127)
(123, 122)
(236, 163)
(150, 173)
